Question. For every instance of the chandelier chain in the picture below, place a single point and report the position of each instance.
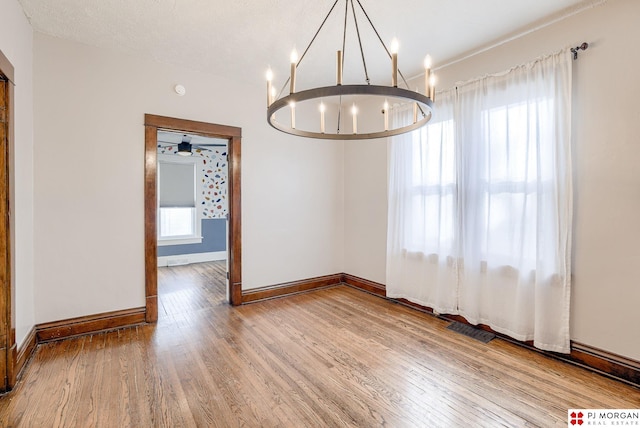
(364, 62)
(344, 29)
(309, 45)
(317, 32)
(344, 43)
(375, 30)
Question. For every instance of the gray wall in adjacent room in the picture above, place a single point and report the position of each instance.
(213, 239)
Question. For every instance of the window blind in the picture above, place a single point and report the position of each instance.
(177, 184)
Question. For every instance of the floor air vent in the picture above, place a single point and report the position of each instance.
(471, 331)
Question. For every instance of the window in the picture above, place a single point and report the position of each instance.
(480, 204)
(177, 222)
(178, 219)
(434, 189)
(493, 193)
(513, 180)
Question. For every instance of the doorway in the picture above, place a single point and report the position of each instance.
(232, 135)
(8, 351)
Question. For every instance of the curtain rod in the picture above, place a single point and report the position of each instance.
(575, 50)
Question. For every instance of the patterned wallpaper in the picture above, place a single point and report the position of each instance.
(214, 178)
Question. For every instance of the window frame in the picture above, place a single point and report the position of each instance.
(484, 189)
(424, 190)
(196, 237)
(487, 188)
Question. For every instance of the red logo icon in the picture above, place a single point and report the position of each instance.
(576, 418)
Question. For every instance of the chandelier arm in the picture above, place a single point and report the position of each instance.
(364, 62)
(421, 111)
(283, 88)
(407, 85)
(403, 79)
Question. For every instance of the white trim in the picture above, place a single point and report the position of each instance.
(179, 241)
(185, 259)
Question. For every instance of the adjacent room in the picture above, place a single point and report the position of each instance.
(327, 213)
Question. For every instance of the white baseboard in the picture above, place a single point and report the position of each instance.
(185, 259)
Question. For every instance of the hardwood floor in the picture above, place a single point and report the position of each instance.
(333, 357)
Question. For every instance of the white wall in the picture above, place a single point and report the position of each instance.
(16, 42)
(365, 209)
(605, 293)
(89, 112)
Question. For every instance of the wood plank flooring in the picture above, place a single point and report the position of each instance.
(334, 357)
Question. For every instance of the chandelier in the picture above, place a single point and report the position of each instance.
(344, 101)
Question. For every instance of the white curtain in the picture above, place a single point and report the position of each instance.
(480, 204)
(423, 216)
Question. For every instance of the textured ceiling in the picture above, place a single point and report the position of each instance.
(241, 38)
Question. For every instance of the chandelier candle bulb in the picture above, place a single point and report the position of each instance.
(415, 112)
(427, 75)
(269, 88)
(294, 60)
(394, 63)
(322, 109)
(354, 112)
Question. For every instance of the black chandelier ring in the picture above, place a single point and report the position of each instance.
(424, 104)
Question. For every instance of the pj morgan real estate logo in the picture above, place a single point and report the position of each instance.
(603, 418)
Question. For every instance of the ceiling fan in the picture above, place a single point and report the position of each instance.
(184, 144)
(184, 147)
